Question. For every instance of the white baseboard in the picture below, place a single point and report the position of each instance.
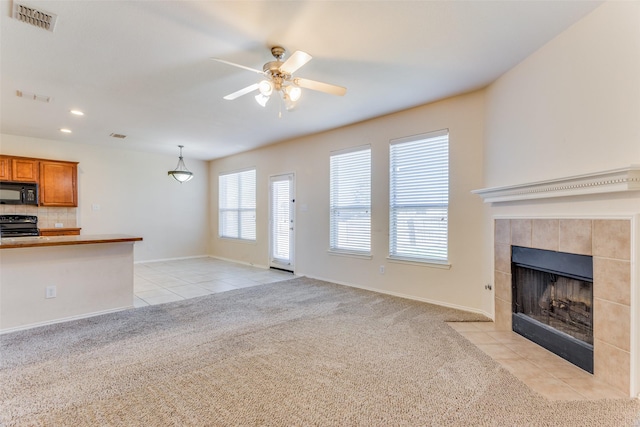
(171, 259)
(411, 297)
(235, 261)
(65, 319)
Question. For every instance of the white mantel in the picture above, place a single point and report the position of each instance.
(610, 181)
(553, 217)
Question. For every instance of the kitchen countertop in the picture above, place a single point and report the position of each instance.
(34, 242)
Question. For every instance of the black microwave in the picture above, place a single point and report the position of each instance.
(18, 193)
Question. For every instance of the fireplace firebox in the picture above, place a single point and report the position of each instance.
(553, 302)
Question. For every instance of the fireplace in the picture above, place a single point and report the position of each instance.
(608, 242)
(553, 302)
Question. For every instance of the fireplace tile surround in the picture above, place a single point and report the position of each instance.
(609, 242)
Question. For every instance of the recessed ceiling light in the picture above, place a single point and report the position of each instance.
(77, 112)
(65, 130)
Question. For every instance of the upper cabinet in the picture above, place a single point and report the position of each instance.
(57, 180)
(18, 169)
(58, 183)
(5, 168)
(24, 170)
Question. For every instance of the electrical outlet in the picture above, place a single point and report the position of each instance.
(50, 291)
(382, 269)
(58, 225)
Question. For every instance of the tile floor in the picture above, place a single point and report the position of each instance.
(543, 371)
(168, 281)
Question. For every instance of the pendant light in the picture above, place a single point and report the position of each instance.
(181, 173)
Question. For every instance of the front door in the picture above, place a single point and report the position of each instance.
(281, 223)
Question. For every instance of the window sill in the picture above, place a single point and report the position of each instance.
(426, 263)
(233, 239)
(349, 254)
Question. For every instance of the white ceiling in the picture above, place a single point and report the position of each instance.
(143, 68)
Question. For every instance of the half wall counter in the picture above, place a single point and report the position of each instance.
(46, 280)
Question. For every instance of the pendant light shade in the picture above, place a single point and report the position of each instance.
(181, 173)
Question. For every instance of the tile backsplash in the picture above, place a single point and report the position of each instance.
(47, 216)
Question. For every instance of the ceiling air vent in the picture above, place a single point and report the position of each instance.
(33, 96)
(118, 135)
(35, 17)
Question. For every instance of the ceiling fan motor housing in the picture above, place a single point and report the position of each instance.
(272, 69)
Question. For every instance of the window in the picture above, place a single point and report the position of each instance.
(237, 205)
(350, 201)
(419, 199)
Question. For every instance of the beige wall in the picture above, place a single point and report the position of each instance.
(572, 108)
(89, 280)
(308, 158)
(134, 193)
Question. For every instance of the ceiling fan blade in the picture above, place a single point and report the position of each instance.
(295, 61)
(241, 92)
(319, 86)
(233, 64)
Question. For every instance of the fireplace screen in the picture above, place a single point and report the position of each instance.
(553, 301)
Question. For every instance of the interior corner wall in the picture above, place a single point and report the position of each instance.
(308, 158)
(571, 108)
(134, 195)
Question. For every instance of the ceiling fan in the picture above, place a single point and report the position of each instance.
(279, 78)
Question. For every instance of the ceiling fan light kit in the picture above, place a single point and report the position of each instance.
(279, 78)
(262, 99)
(265, 87)
(294, 92)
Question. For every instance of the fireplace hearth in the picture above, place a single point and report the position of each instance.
(553, 302)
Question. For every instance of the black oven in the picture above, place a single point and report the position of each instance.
(18, 226)
(18, 193)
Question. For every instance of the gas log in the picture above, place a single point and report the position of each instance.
(568, 301)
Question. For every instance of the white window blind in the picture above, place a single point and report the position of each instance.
(350, 201)
(237, 205)
(419, 199)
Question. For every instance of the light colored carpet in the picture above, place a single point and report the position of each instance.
(296, 353)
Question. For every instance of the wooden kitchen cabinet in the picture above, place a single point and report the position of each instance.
(19, 169)
(24, 170)
(5, 168)
(59, 231)
(58, 183)
(57, 179)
